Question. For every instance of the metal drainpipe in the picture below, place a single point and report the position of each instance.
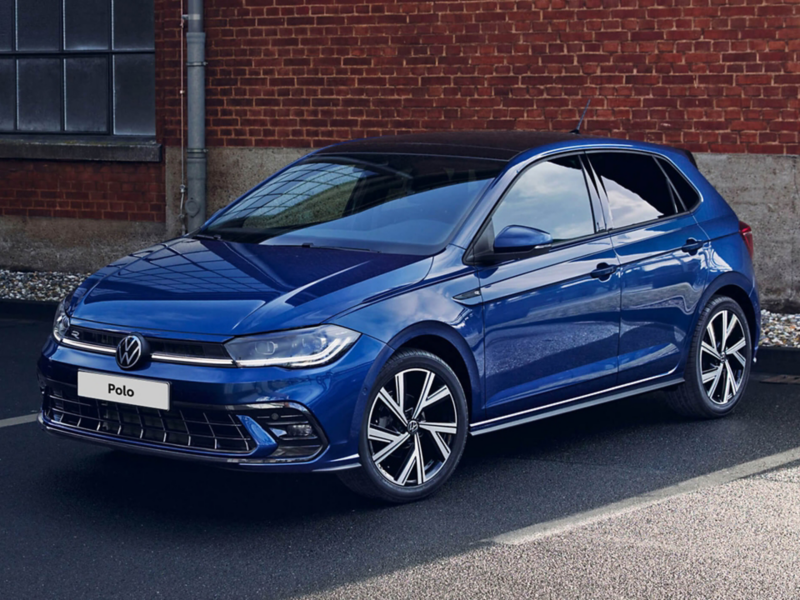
(196, 160)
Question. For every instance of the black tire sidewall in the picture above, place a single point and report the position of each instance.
(715, 307)
(401, 362)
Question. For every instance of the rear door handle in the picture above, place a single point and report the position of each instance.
(692, 246)
(603, 271)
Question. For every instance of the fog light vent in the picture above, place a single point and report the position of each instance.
(298, 436)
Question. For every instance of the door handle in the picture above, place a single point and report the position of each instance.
(692, 246)
(603, 272)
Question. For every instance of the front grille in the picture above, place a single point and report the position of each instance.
(110, 340)
(214, 430)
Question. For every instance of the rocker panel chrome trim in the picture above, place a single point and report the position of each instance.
(628, 389)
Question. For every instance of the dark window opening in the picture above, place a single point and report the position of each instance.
(636, 188)
(77, 67)
(688, 196)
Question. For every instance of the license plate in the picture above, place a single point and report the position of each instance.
(125, 390)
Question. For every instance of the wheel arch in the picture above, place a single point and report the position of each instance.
(441, 340)
(733, 286)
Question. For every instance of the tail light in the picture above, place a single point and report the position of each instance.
(747, 235)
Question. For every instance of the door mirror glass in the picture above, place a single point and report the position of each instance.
(516, 239)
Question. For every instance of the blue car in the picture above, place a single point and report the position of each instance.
(371, 306)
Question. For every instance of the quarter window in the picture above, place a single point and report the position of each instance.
(550, 196)
(77, 67)
(686, 193)
(636, 187)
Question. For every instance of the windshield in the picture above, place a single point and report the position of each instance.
(397, 203)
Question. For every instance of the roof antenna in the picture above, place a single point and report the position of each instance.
(577, 130)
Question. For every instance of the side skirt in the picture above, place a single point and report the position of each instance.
(542, 412)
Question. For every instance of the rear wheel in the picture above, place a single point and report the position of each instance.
(718, 366)
(414, 430)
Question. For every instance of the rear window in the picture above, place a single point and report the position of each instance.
(636, 188)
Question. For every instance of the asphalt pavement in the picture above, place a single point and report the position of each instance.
(80, 521)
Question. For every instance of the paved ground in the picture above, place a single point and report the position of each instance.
(77, 521)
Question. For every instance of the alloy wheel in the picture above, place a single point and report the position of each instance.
(412, 426)
(723, 357)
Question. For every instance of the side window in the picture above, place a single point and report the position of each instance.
(550, 196)
(636, 187)
(688, 195)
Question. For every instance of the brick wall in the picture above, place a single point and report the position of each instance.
(120, 191)
(709, 75)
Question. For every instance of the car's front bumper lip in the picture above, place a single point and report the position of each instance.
(318, 464)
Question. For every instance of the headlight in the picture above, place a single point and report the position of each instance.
(299, 348)
(61, 322)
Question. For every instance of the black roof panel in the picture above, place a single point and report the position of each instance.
(497, 145)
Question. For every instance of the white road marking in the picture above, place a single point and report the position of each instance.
(556, 526)
(18, 420)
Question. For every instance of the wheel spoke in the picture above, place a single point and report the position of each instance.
(738, 357)
(442, 393)
(732, 378)
(726, 390)
(447, 428)
(712, 351)
(402, 478)
(711, 335)
(377, 434)
(714, 385)
(420, 461)
(712, 374)
(390, 448)
(724, 329)
(400, 390)
(731, 325)
(392, 406)
(737, 346)
(423, 396)
(443, 449)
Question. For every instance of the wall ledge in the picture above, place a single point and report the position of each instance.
(83, 148)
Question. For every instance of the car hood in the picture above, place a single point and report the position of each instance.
(223, 288)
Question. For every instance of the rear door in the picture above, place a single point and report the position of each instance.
(552, 320)
(662, 252)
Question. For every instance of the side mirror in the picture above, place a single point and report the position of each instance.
(516, 239)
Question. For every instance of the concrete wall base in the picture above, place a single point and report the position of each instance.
(764, 190)
(77, 245)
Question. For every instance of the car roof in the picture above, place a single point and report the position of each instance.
(494, 145)
(497, 145)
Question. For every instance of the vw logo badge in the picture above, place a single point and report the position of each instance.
(131, 351)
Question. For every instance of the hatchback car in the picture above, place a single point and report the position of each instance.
(368, 308)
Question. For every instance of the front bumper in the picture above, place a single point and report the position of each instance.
(235, 417)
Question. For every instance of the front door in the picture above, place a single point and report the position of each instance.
(551, 321)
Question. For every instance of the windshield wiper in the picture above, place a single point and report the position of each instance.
(350, 248)
(207, 236)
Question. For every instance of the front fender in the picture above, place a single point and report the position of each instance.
(421, 312)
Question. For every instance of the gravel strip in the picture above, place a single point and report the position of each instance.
(780, 330)
(777, 329)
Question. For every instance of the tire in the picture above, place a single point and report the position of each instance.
(432, 422)
(724, 361)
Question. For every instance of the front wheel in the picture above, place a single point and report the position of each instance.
(414, 430)
(718, 365)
